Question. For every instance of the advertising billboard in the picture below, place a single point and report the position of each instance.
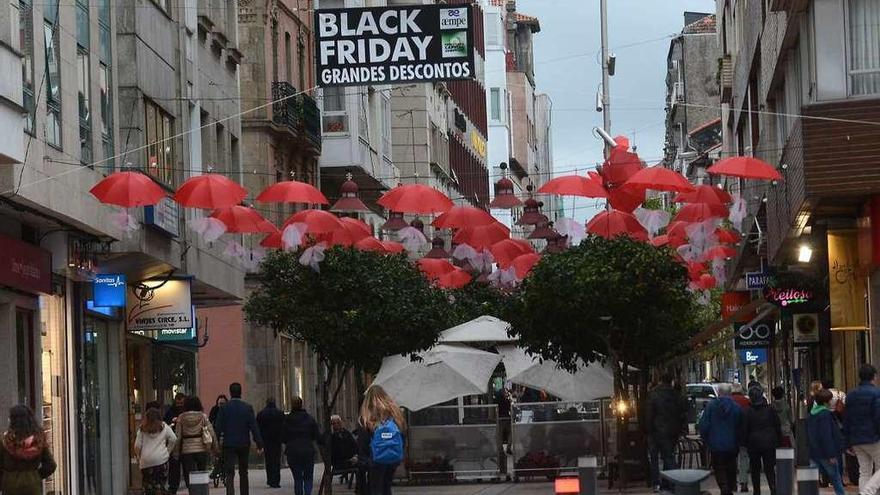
(159, 306)
(394, 45)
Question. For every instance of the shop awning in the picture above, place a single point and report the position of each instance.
(710, 331)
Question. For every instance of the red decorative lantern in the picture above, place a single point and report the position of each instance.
(438, 250)
(531, 212)
(504, 193)
(544, 230)
(348, 198)
(395, 221)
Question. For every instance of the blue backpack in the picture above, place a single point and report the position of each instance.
(387, 444)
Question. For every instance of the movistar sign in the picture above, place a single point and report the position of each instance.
(109, 290)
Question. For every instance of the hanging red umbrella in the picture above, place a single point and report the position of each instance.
(393, 247)
(292, 191)
(370, 244)
(676, 234)
(433, 268)
(242, 219)
(614, 223)
(356, 228)
(574, 185)
(619, 167)
(463, 216)
(455, 279)
(272, 240)
(659, 178)
(745, 167)
(209, 191)
(705, 193)
(317, 221)
(727, 236)
(660, 240)
(625, 199)
(719, 252)
(524, 263)
(415, 198)
(706, 282)
(483, 237)
(695, 269)
(507, 250)
(128, 189)
(699, 212)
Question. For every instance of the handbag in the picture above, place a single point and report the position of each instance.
(207, 437)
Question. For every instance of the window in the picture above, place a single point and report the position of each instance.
(288, 58)
(26, 40)
(335, 117)
(864, 38)
(53, 86)
(106, 111)
(301, 61)
(234, 155)
(85, 119)
(495, 103)
(386, 127)
(220, 141)
(363, 126)
(160, 144)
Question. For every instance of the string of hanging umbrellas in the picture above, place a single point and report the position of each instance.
(479, 240)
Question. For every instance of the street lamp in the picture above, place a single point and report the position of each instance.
(805, 253)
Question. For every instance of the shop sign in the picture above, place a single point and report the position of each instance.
(478, 143)
(753, 356)
(757, 280)
(171, 334)
(157, 305)
(108, 290)
(806, 328)
(847, 285)
(389, 45)
(165, 216)
(732, 302)
(787, 297)
(25, 266)
(757, 334)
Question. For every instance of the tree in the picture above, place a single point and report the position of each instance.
(360, 307)
(474, 300)
(618, 300)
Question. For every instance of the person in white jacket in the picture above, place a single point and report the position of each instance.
(153, 446)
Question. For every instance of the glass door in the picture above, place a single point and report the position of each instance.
(24, 341)
(54, 380)
(94, 399)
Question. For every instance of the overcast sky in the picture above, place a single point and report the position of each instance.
(567, 68)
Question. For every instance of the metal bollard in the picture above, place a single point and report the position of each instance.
(807, 481)
(784, 471)
(588, 474)
(199, 482)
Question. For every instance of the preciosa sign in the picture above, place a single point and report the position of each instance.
(787, 297)
(387, 45)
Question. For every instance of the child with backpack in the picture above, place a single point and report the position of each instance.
(383, 422)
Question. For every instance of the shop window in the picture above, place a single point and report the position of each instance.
(160, 143)
(864, 38)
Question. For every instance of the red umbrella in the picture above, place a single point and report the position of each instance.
(695, 269)
(370, 244)
(660, 240)
(620, 166)
(463, 216)
(700, 212)
(727, 236)
(625, 199)
(574, 185)
(705, 194)
(482, 237)
(392, 247)
(128, 189)
(745, 167)
(706, 282)
(615, 223)
(209, 191)
(523, 264)
(507, 250)
(243, 219)
(455, 279)
(356, 228)
(659, 178)
(292, 191)
(719, 252)
(272, 240)
(318, 221)
(433, 268)
(415, 198)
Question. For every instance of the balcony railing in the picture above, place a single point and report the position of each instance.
(297, 112)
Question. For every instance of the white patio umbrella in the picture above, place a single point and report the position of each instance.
(445, 372)
(481, 329)
(589, 382)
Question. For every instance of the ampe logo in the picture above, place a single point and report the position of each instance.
(453, 19)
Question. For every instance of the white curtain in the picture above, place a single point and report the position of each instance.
(864, 50)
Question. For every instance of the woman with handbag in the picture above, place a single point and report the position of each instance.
(197, 437)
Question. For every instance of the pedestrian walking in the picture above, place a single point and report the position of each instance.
(837, 404)
(719, 426)
(218, 404)
(504, 400)
(742, 458)
(783, 411)
(761, 434)
(300, 436)
(174, 465)
(824, 439)
(153, 445)
(861, 428)
(271, 423)
(343, 446)
(382, 419)
(25, 458)
(197, 439)
(666, 418)
(236, 424)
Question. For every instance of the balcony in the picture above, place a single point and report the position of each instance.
(297, 113)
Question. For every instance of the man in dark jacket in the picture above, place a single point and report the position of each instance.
(718, 428)
(343, 446)
(861, 428)
(300, 435)
(761, 435)
(666, 417)
(825, 440)
(236, 424)
(271, 423)
(174, 465)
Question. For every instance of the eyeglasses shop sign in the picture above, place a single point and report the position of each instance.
(390, 45)
(157, 306)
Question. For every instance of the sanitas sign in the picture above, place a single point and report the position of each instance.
(388, 45)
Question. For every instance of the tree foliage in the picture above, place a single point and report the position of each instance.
(621, 299)
(474, 300)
